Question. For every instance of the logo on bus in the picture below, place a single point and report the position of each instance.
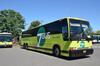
(82, 44)
(42, 36)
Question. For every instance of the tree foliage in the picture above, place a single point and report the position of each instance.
(34, 24)
(97, 32)
(11, 21)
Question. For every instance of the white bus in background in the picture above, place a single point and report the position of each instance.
(96, 39)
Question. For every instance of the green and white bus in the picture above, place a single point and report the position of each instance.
(69, 37)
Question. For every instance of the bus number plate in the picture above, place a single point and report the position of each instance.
(84, 51)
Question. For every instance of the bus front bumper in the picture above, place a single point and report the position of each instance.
(82, 52)
(1, 46)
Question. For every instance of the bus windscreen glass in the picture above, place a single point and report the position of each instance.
(79, 29)
(5, 38)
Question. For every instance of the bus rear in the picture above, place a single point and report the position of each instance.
(80, 38)
(6, 40)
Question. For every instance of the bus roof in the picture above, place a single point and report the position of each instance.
(76, 18)
(65, 18)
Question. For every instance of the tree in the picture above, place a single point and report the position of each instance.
(11, 21)
(34, 24)
(96, 32)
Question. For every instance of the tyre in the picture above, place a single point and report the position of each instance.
(56, 51)
(11, 46)
(24, 46)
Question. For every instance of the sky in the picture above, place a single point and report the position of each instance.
(50, 10)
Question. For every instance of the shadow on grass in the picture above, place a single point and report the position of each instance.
(61, 57)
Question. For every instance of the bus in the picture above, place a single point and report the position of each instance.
(96, 39)
(69, 37)
(6, 39)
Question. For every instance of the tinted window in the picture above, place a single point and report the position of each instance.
(64, 33)
(6, 38)
(79, 29)
(54, 27)
(75, 29)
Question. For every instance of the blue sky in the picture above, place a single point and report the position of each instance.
(51, 10)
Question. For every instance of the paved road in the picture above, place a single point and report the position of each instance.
(20, 57)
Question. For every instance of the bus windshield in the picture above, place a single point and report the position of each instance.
(79, 29)
(5, 38)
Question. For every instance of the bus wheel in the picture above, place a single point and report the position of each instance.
(56, 51)
(23, 45)
(11, 46)
(26, 45)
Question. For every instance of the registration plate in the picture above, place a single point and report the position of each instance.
(84, 51)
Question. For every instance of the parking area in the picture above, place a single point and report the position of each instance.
(19, 57)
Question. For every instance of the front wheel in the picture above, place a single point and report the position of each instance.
(25, 46)
(56, 51)
(11, 46)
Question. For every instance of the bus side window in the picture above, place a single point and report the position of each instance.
(65, 33)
